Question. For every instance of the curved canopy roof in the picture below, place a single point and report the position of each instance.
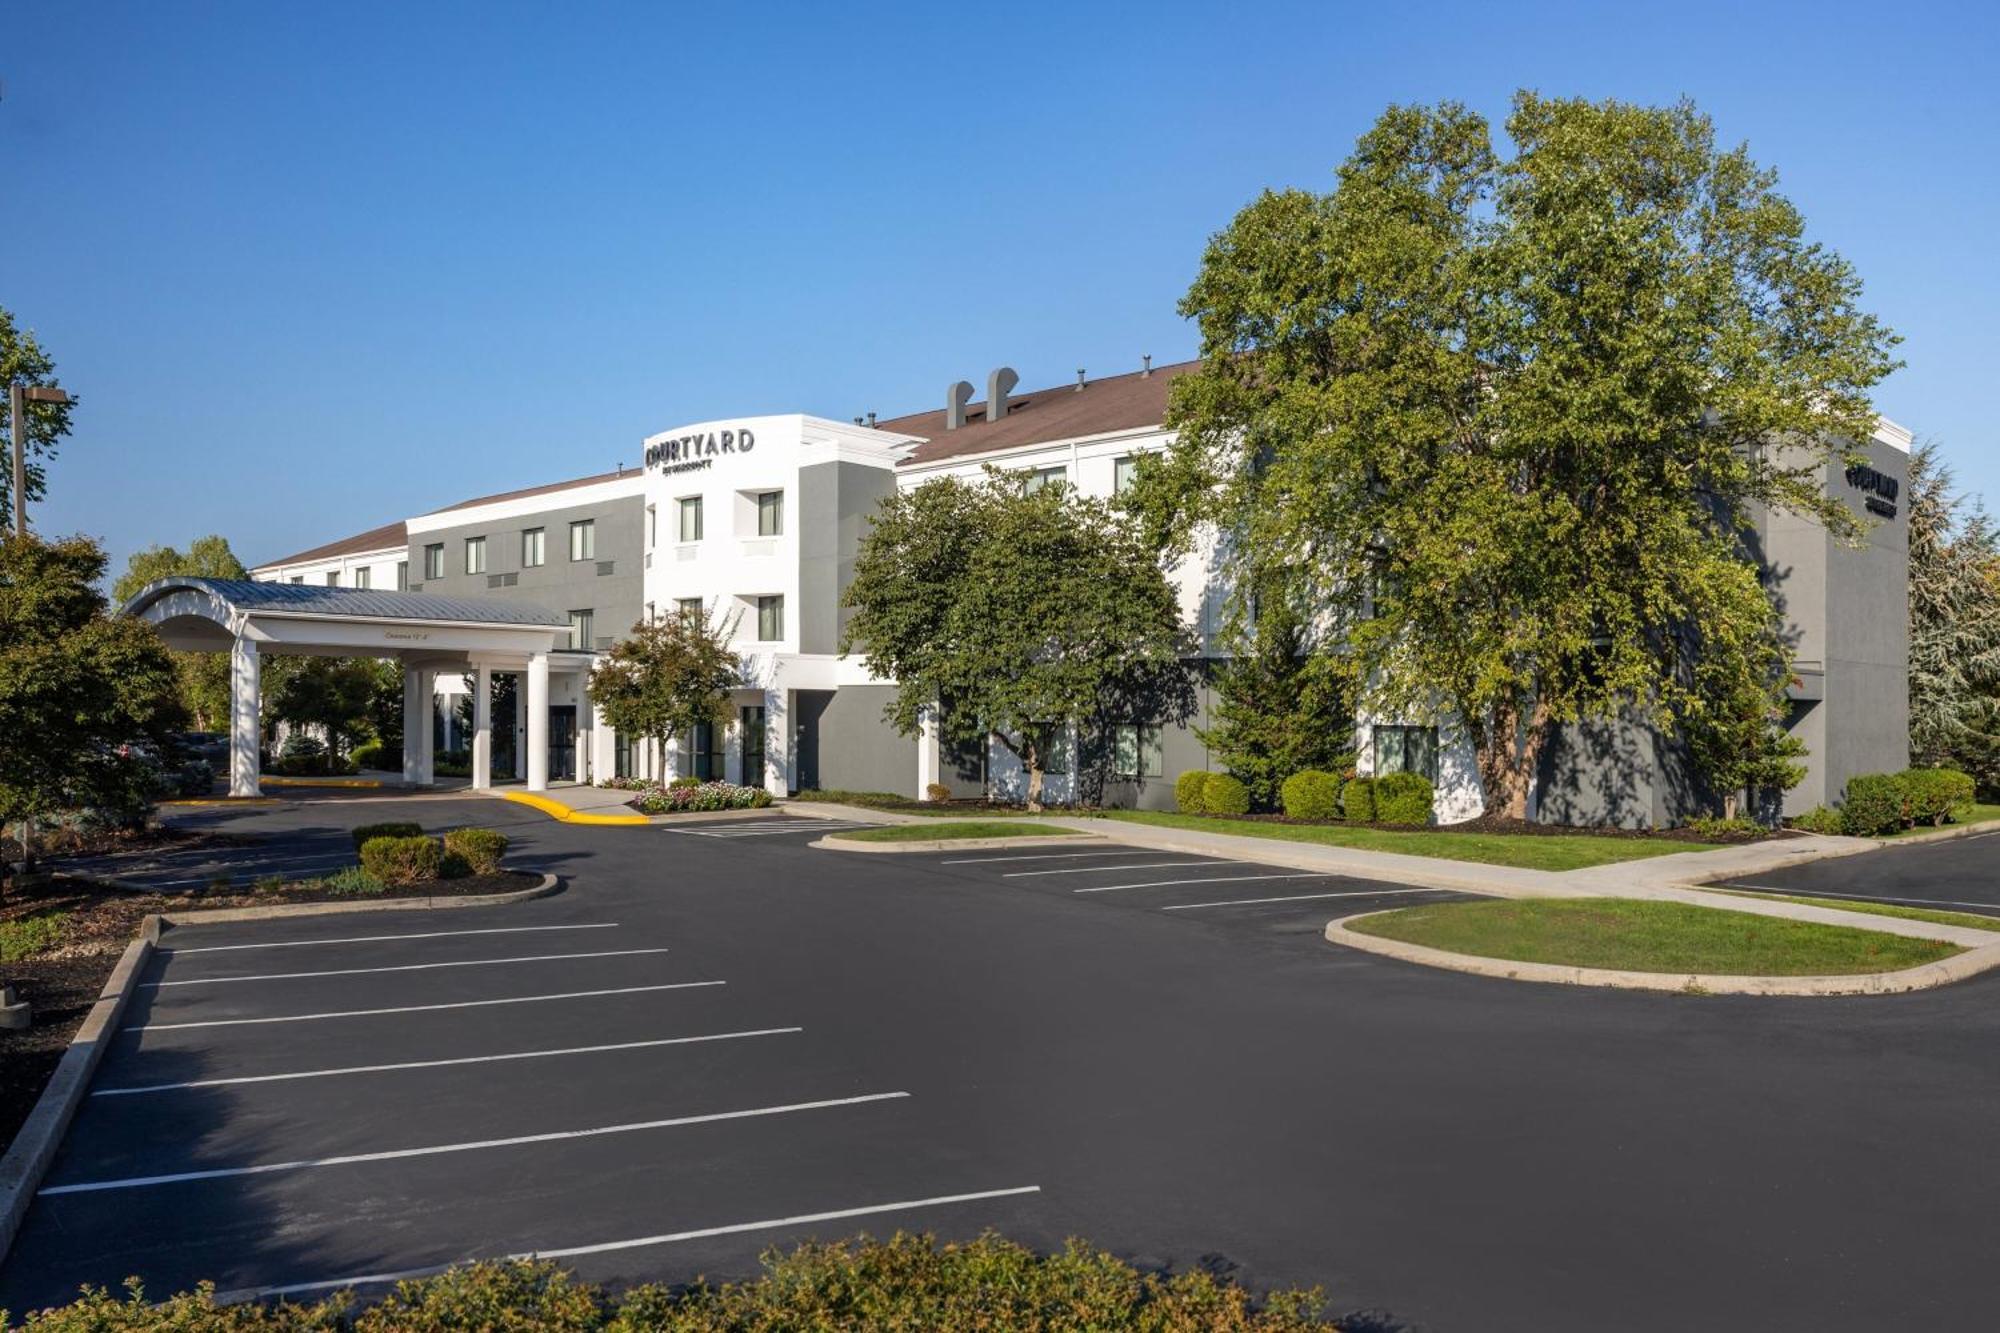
(330, 603)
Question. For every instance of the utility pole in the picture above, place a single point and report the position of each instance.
(18, 398)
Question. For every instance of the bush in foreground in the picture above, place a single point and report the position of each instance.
(402, 861)
(1875, 803)
(480, 848)
(686, 795)
(1224, 794)
(908, 1282)
(1311, 795)
(1820, 819)
(1936, 795)
(1357, 800)
(1187, 791)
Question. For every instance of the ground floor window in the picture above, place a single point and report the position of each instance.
(621, 756)
(1055, 762)
(753, 745)
(1406, 750)
(1136, 752)
(707, 752)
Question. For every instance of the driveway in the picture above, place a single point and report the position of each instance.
(898, 1042)
(1959, 874)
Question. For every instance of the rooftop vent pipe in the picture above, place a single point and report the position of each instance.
(1079, 379)
(955, 399)
(1145, 365)
(998, 385)
(871, 421)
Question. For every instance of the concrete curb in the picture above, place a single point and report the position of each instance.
(859, 814)
(1946, 834)
(557, 810)
(1923, 977)
(34, 1147)
(833, 842)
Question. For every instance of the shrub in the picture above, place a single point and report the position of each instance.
(687, 780)
(1875, 803)
(1938, 794)
(31, 935)
(364, 832)
(480, 848)
(371, 754)
(936, 791)
(1820, 819)
(678, 797)
(1187, 791)
(1709, 826)
(402, 860)
(497, 1296)
(1403, 798)
(1312, 795)
(1223, 794)
(352, 881)
(1357, 800)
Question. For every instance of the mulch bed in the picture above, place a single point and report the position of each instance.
(64, 982)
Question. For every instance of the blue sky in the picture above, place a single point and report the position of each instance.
(312, 268)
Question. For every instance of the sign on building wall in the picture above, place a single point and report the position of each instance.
(692, 453)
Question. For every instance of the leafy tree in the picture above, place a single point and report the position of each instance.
(1506, 419)
(76, 685)
(203, 677)
(1016, 613)
(1954, 624)
(22, 361)
(333, 695)
(1275, 713)
(669, 676)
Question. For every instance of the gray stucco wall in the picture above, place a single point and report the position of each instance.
(858, 750)
(615, 600)
(835, 503)
(1180, 750)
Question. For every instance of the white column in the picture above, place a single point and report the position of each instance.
(413, 726)
(538, 722)
(777, 744)
(928, 761)
(732, 749)
(482, 727)
(520, 725)
(245, 716)
(603, 746)
(670, 759)
(427, 737)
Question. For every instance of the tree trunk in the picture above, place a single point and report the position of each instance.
(1031, 757)
(1509, 751)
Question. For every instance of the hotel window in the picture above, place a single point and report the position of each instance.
(770, 513)
(534, 547)
(434, 560)
(298, 578)
(402, 576)
(583, 539)
(361, 579)
(1046, 476)
(1406, 750)
(475, 555)
(1135, 753)
(688, 606)
(580, 625)
(690, 509)
(770, 618)
(1123, 471)
(652, 525)
(707, 751)
(333, 579)
(1055, 763)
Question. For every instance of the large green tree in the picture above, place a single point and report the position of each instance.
(76, 685)
(1954, 623)
(336, 696)
(1015, 612)
(669, 676)
(22, 361)
(203, 677)
(1508, 417)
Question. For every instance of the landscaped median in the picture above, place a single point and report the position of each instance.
(938, 835)
(1661, 944)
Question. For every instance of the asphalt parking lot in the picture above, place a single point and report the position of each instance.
(1958, 875)
(1183, 1083)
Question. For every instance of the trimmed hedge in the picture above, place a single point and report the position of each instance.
(365, 833)
(1875, 803)
(1404, 798)
(402, 860)
(1937, 794)
(1225, 795)
(1357, 800)
(1311, 795)
(1820, 819)
(480, 848)
(1187, 791)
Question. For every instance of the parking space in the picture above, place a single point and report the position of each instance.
(802, 827)
(296, 1106)
(1958, 875)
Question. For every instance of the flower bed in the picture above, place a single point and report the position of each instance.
(681, 797)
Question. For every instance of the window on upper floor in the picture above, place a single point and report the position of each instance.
(770, 618)
(362, 577)
(688, 606)
(534, 547)
(581, 626)
(333, 579)
(1046, 476)
(1124, 471)
(770, 513)
(583, 539)
(475, 555)
(690, 512)
(298, 578)
(402, 576)
(434, 560)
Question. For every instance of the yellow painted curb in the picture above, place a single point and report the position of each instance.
(322, 782)
(224, 800)
(557, 810)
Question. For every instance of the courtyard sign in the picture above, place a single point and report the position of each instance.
(689, 453)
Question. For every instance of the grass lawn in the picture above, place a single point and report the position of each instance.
(1981, 814)
(1932, 914)
(1533, 851)
(953, 829)
(1635, 935)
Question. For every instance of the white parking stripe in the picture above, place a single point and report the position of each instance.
(772, 832)
(1123, 865)
(421, 1008)
(475, 1145)
(373, 939)
(438, 1064)
(1860, 897)
(1213, 879)
(607, 1247)
(1046, 856)
(400, 967)
(1295, 898)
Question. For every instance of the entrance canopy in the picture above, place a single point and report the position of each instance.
(427, 633)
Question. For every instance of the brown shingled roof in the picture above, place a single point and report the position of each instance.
(375, 539)
(1116, 402)
(527, 491)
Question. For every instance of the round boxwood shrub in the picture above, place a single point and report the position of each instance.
(1875, 803)
(1403, 798)
(402, 860)
(1357, 800)
(363, 833)
(1311, 795)
(1937, 794)
(1224, 795)
(1187, 791)
(480, 848)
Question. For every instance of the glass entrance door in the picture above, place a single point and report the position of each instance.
(752, 719)
(562, 742)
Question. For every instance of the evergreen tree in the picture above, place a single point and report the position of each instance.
(1954, 624)
(1275, 714)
